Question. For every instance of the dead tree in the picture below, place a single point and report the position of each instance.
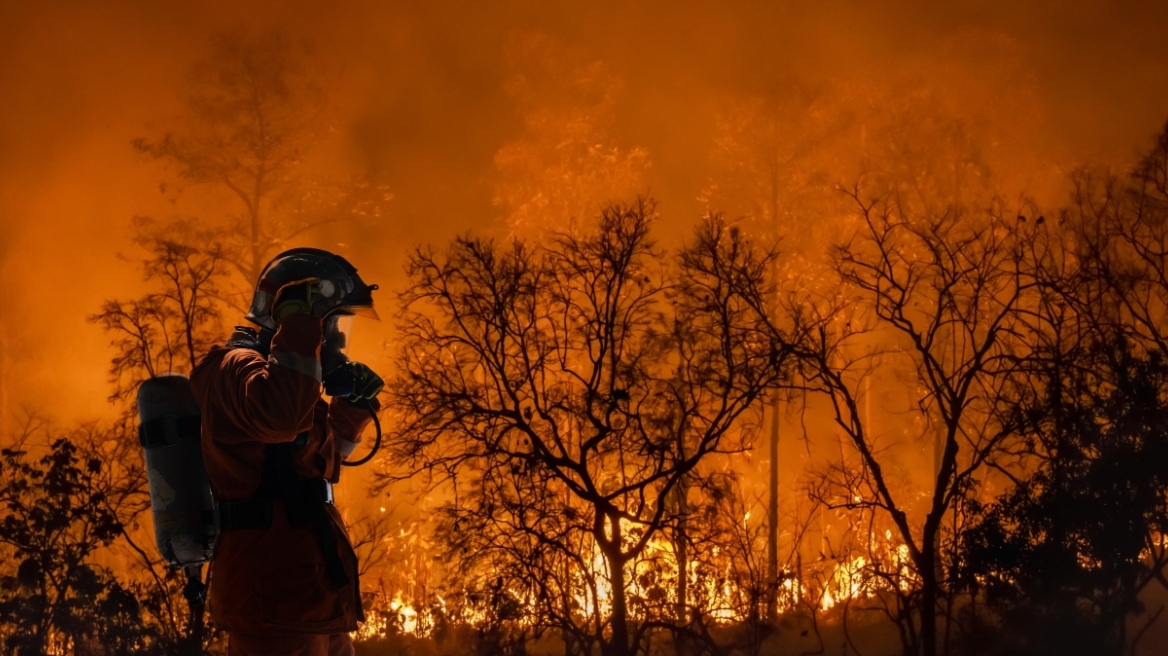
(561, 393)
(940, 298)
(254, 109)
(1063, 556)
(174, 324)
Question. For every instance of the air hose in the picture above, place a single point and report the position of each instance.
(376, 443)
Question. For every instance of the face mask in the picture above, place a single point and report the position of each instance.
(334, 350)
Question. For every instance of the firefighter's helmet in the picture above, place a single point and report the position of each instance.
(343, 290)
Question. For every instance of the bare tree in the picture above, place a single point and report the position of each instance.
(563, 393)
(568, 163)
(940, 295)
(1121, 230)
(1090, 408)
(254, 110)
(770, 153)
(169, 328)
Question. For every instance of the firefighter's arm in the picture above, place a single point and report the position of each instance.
(354, 388)
(272, 399)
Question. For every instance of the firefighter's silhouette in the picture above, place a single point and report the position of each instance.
(284, 576)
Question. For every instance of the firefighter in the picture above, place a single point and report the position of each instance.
(284, 577)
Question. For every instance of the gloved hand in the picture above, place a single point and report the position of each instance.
(354, 382)
(295, 298)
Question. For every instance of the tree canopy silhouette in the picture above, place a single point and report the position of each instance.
(568, 393)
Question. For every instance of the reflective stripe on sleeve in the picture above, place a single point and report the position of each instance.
(306, 365)
(345, 447)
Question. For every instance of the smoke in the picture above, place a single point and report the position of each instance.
(419, 102)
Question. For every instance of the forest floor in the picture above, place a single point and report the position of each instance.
(796, 636)
(867, 633)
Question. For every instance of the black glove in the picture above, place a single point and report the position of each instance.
(354, 382)
(298, 297)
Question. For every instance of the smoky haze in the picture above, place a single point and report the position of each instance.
(424, 98)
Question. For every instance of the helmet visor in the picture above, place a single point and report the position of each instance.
(366, 311)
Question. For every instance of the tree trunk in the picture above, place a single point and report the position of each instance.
(566, 609)
(773, 486)
(611, 548)
(5, 368)
(772, 579)
(681, 549)
(257, 250)
(929, 597)
(681, 539)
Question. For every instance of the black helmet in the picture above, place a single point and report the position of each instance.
(344, 290)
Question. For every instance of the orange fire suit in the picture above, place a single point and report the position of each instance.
(270, 583)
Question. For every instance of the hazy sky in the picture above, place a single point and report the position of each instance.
(419, 102)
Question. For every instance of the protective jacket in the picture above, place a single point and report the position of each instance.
(263, 414)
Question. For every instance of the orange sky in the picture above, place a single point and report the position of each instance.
(419, 102)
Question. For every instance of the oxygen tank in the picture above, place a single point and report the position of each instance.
(180, 492)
